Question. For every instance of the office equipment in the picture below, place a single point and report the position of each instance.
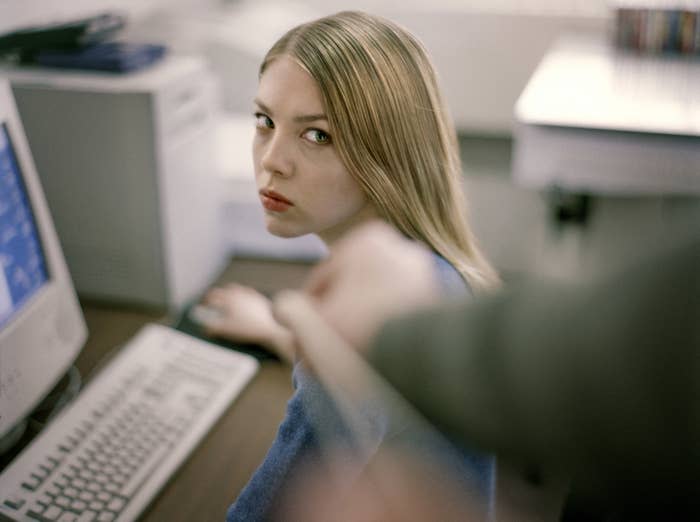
(239, 441)
(41, 325)
(596, 119)
(126, 163)
(109, 452)
(117, 57)
(64, 35)
(111, 449)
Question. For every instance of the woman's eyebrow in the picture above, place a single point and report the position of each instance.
(262, 106)
(303, 118)
(310, 117)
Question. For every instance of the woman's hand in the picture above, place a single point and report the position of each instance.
(246, 317)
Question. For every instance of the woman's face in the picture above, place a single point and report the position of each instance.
(303, 185)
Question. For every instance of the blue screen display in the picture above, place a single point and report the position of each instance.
(22, 264)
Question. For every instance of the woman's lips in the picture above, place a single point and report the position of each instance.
(273, 201)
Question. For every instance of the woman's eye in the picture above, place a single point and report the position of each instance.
(262, 121)
(317, 136)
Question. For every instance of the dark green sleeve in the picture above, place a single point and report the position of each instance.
(603, 378)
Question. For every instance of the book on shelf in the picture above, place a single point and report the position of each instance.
(658, 27)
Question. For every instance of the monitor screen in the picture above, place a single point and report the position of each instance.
(41, 324)
(22, 259)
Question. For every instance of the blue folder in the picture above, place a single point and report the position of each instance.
(107, 56)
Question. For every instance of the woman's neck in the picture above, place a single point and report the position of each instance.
(332, 235)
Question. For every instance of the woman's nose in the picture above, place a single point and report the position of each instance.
(277, 156)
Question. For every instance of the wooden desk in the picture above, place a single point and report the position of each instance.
(210, 480)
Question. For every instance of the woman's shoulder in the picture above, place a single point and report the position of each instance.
(451, 281)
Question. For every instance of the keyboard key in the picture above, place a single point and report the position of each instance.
(45, 499)
(96, 505)
(53, 491)
(40, 475)
(86, 495)
(36, 510)
(78, 506)
(52, 513)
(116, 504)
(32, 483)
(87, 516)
(86, 476)
(61, 481)
(53, 460)
(62, 501)
(15, 501)
(71, 492)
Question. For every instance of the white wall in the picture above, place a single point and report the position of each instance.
(484, 51)
(485, 59)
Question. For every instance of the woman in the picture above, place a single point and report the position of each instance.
(351, 126)
(385, 127)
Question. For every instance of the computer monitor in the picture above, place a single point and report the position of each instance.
(41, 324)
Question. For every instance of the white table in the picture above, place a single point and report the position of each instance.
(595, 119)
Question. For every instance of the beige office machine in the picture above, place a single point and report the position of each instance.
(126, 164)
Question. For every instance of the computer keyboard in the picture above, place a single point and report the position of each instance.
(107, 454)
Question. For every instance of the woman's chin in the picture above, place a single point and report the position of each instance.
(286, 232)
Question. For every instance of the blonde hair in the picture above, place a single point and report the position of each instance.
(391, 129)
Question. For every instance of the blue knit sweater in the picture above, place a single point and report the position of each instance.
(298, 442)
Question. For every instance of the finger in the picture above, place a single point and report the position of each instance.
(209, 293)
(212, 330)
(216, 297)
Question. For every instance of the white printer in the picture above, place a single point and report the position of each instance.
(127, 166)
